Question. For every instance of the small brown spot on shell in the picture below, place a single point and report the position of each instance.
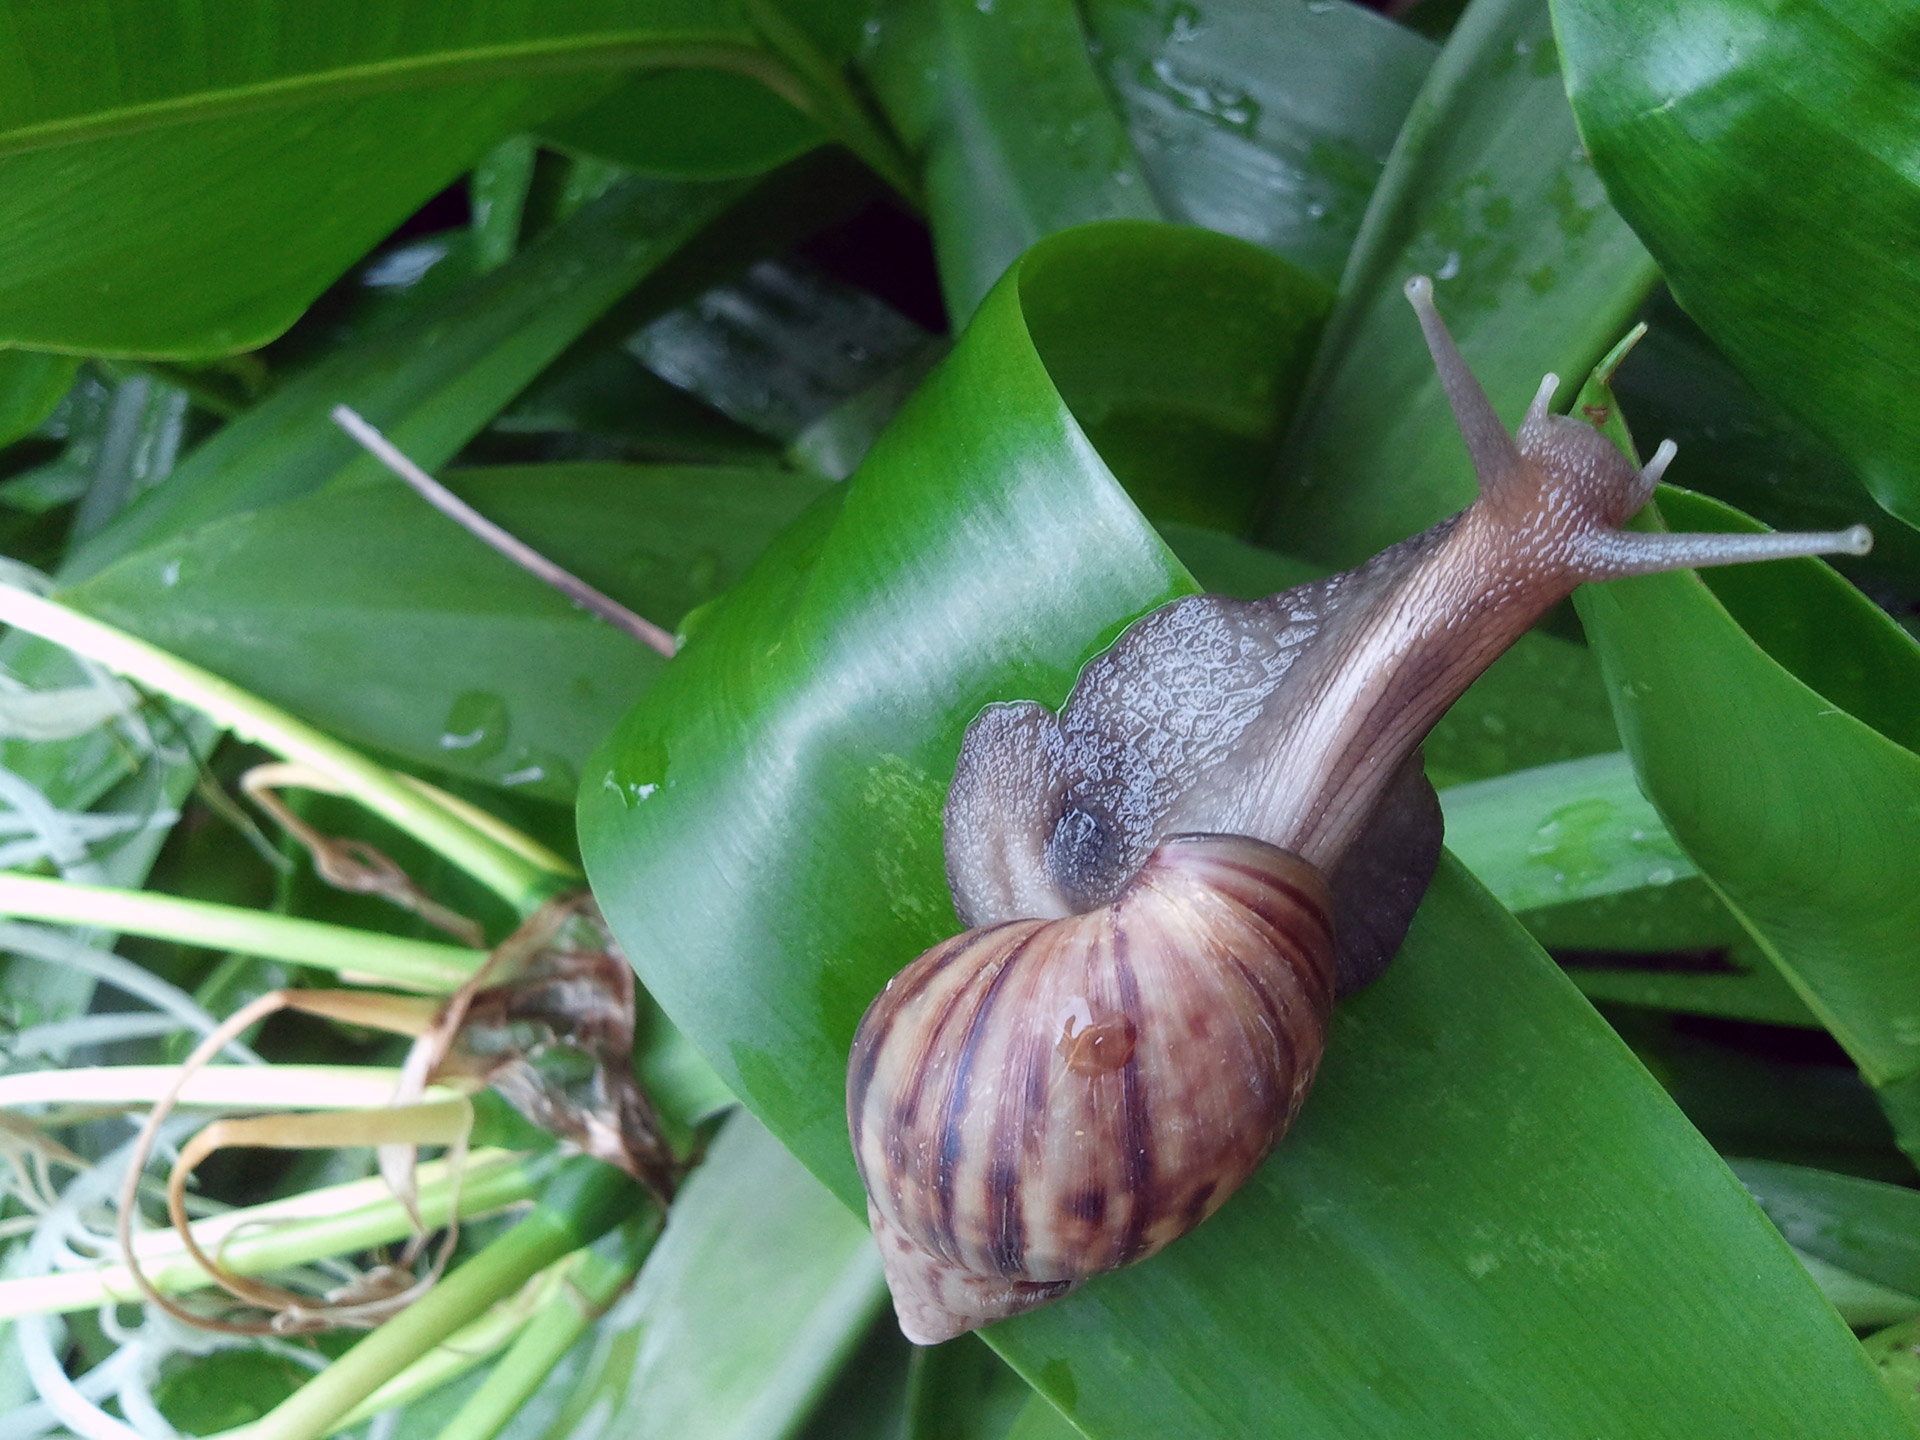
(1101, 1048)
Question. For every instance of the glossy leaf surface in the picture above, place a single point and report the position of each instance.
(1484, 1170)
(1014, 132)
(192, 196)
(1269, 120)
(1769, 713)
(372, 615)
(688, 124)
(1487, 192)
(1765, 156)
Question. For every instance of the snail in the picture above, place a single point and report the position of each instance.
(1168, 883)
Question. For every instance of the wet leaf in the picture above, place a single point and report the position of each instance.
(1483, 1172)
(192, 197)
(1765, 157)
(1267, 121)
(368, 613)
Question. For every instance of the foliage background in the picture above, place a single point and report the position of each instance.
(1116, 287)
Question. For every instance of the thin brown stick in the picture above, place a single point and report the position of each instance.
(516, 550)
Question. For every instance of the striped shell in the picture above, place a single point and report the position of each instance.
(1036, 1102)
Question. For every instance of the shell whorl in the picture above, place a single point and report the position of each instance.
(1035, 1102)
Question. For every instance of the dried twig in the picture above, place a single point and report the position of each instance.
(516, 550)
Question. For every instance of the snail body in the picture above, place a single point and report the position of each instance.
(1226, 826)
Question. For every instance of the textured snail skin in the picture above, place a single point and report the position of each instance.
(1031, 1103)
(1048, 1055)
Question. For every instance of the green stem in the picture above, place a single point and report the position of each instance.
(386, 959)
(340, 1220)
(238, 1087)
(584, 1201)
(501, 869)
(584, 1296)
(470, 1346)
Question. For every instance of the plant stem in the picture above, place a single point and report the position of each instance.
(246, 1087)
(384, 959)
(501, 869)
(473, 1344)
(338, 1220)
(585, 1200)
(583, 1297)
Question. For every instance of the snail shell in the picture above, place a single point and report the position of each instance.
(1134, 1020)
(1033, 1102)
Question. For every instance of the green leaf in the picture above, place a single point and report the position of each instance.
(963, 1391)
(1266, 121)
(1485, 1184)
(688, 125)
(370, 614)
(1860, 1228)
(1488, 192)
(31, 384)
(1765, 157)
(756, 1292)
(1770, 713)
(1015, 135)
(1194, 443)
(1572, 831)
(191, 197)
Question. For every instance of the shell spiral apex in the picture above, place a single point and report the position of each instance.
(1171, 879)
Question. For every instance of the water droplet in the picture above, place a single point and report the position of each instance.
(985, 7)
(1232, 108)
(1661, 875)
(170, 574)
(1123, 178)
(1451, 268)
(1316, 211)
(542, 768)
(476, 726)
(1183, 24)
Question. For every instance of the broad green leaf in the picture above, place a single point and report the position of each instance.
(757, 1291)
(1268, 121)
(1571, 831)
(1759, 994)
(192, 195)
(1195, 443)
(689, 125)
(1014, 132)
(1489, 192)
(1858, 1228)
(1765, 156)
(1485, 1183)
(372, 615)
(1770, 715)
(31, 384)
